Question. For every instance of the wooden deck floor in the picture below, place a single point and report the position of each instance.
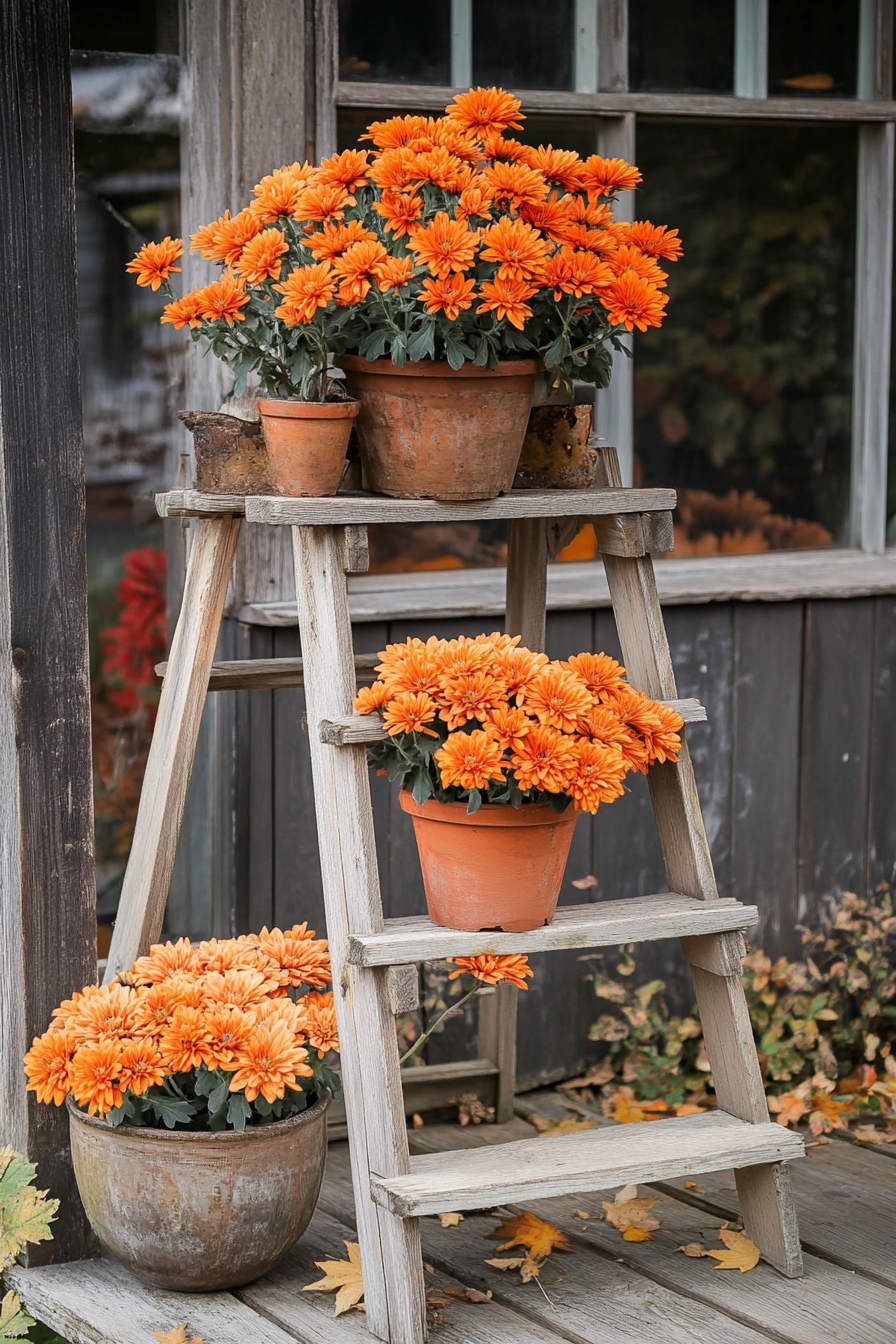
(605, 1291)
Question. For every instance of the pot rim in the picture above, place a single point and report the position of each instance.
(204, 1135)
(439, 368)
(494, 814)
(282, 408)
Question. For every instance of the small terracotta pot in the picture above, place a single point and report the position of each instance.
(306, 443)
(500, 868)
(428, 431)
(197, 1211)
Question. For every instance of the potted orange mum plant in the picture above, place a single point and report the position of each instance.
(444, 268)
(498, 750)
(197, 1092)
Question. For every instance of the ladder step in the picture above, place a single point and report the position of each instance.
(640, 919)
(266, 674)
(355, 728)
(594, 1159)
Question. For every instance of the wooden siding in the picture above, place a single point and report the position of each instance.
(795, 768)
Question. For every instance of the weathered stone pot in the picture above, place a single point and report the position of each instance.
(198, 1212)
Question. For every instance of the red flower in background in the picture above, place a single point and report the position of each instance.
(132, 648)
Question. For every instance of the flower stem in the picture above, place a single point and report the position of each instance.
(419, 1044)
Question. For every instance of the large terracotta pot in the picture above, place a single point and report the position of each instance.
(197, 1211)
(500, 868)
(306, 443)
(428, 431)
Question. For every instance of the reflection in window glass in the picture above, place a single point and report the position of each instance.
(813, 50)
(742, 398)
(687, 47)
(523, 44)
(402, 42)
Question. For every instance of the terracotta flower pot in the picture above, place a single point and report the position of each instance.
(306, 443)
(428, 431)
(199, 1211)
(500, 868)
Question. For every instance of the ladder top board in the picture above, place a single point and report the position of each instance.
(593, 1159)
(361, 507)
(603, 924)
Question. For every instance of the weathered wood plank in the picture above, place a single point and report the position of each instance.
(602, 924)
(258, 674)
(527, 579)
(194, 504)
(882, 764)
(594, 1159)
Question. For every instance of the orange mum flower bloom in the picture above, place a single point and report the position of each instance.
(69, 1008)
(48, 1066)
(557, 697)
(493, 969)
(461, 655)
(322, 201)
(656, 724)
(508, 725)
(304, 290)
(164, 960)
(470, 760)
(243, 987)
(519, 669)
(224, 300)
(597, 776)
(483, 110)
(543, 760)
(94, 1075)
(654, 240)
(446, 245)
(497, 146)
(400, 210)
(187, 310)
(231, 236)
(419, 671)
(140, 1066)
(394, 273)
(475, 200)
(227, 954)
(277, 194)
(601, 674)
(269, 1063)
(358, 268)
(262, 257)
(441, 131)
(449, 295)
(508, 299)
(394, 170)
(155, 1008)
(562, 166)
(336, 238)
(348, 169)
(370, 698)
(515, 184)
(469, 695)
(298, 957)
(409, 712)
(316, 1019)
(107, 1014)
(629, 259)
(518, 248)
(155, 261)
(633, 302)
(440, 167)
(185, 1039)
(587, 273)
(203, 240)
(229, 1030)
(396, 132)
(604, 725)
(557, 274)
(602, 176)
(551, 217)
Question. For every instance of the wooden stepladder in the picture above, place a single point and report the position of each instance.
(392, 1189)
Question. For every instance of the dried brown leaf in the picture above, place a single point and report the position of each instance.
(177, 1335)
(742, 1253)
(468, 1294)
(583, 883)
(527, 1229)
(631, 1213)
(693, 1249)
(342, 1277)
(450, 1219)
(580, 1213)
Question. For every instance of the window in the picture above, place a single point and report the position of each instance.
(688, 47)
(523, 44)
(400, 42)
(813, 50)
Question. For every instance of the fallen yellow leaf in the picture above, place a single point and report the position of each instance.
(568, 1125)
(742, 1253)
(450, 1219)
(417, 1121)
(538, 1235)
(627, 1212)
(342, 1277)
(580, 1213)
(178, 1335)
(693, 1249)
(636, 1234)
(868, 1134)
(514, 1263)
(529, 1269)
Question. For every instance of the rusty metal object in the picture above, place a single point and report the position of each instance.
(196, 1211)
(231, 458)
(556, 455)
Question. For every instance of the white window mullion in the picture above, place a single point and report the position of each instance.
(751, 49)
(614, 412)
(461, 44)
(586, 46)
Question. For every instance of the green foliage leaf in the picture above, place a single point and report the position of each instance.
(238, 1111)
(14, 1320)
(25, 1213)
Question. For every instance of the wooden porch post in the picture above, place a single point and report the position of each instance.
(47, 887)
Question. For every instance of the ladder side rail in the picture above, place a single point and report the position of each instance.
(147, 878)
(390, 1247)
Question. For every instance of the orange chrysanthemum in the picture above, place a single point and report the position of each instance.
(419, 671)
(633, 302)
(449, 295)
(224, 300)
(394, 273)
(231, 236)
(484, 110)
(519, 249)
(269, 1063)
(320, 202)
(470, 760)
(358, 269)
(410, 712)
(277, 194)
(304, 290)
(334, 239)
(560, 166)
(316, 1019)
(204, 240)
(109, 1014)
(396, 132)
(348, 169)
(296, 957)
(440, 167)
(518, 669)
(551, 217)
(446, 245)
(498, 146)
(597, 775)
(630, 260)
(603, 724)
(507, 298)
(469, 695)
(164, 960)
(48, 1066)
(185, 311)
(509, 726)
(155, 1008)
(462, 655)
(601, 674)
(603, 177)
(656, 725)
(185, 1039)
(474, 200)
(243, 987)
(515, 184)
(229, 1030)
(228, 954)
(557, 697)
(94, 1077)
(653, 239)
(543, 760)
(262, 258)
(493, 969)
(400, 210)
(155, 261)
(395, 170)
(140, 1066)
(371, 698)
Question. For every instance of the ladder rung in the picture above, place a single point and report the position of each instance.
(606, 923)
(355, 728)
(594, 1159)
(264, 674)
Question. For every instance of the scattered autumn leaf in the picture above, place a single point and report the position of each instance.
(342, 1277)
(471, 1111)
(529, 1269)
(568, 1125)
(790, 1107)
(692, 1185)
(868, 1134)
(467, 1294)
(628, 1213)
(450, 1219)
(527, 1229)
(596, 1076)
(176, 1336)
(693, 1249)
(742, 1253)
(829, 1113)
(583, 883)
(622, 1106)
(688, 1108)
(417, 1121)
(580, 1213)
(636, 1234)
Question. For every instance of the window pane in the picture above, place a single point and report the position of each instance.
(813, 50)
(742, 398)
(400, 42)
(684, 47)
(523, 44)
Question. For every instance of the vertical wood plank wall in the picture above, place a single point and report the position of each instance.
(795, 770)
